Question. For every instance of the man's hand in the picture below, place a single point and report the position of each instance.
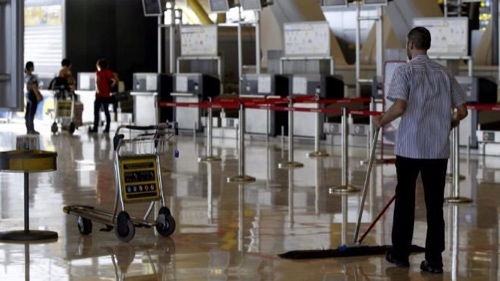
(377, 121)
(454, 123)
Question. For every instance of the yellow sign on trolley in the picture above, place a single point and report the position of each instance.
(139, 179)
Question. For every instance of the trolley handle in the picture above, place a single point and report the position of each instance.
(140, 128)
(116, 140)
(160, 126)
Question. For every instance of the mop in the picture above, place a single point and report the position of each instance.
(356, 249)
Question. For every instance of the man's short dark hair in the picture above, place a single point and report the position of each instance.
(102, 63)
(421, 37)
(65, 62)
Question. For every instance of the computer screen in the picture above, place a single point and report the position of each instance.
(151, 8)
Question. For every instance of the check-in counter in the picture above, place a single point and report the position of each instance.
(260, 121)
(479, 90)
(192, 88)
(326, 87)
(144, 95)
(86, 94)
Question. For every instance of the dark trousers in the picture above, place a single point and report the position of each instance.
(30, 113)
(104, 104)
(433, 175)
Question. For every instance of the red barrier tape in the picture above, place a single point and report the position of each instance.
(234, 102)
(197, 104)
(343, 101)
(489, 107)
(304, 98)
(227, 105)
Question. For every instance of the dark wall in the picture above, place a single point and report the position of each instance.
(113, 29)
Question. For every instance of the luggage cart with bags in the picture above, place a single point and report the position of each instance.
(67, 111)
(138, 179)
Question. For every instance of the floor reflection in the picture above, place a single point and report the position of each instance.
(230, 231)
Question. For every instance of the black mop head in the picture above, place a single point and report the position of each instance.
(343, 251)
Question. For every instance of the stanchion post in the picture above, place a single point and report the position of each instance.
(454, 157)
(241, 177)
(456, 198)
(290, 164)
(317, 152)
(344, 187)
(370, 134)
(209, 157)
(282, 137)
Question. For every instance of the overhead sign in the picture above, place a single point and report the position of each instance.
(449, 36)
(151, 8)
(375, 2)
(327, 3)
(199, 40)
(307, 39)
(255, 5)
(221, 6)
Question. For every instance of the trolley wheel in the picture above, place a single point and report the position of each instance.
(54, 128)
(84, 225)
(124, 229)
(72, 128)
(165, 223)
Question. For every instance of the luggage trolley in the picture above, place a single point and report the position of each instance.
(138, 179)
(64, 106)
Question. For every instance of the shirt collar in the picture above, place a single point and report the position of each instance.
(420, 57)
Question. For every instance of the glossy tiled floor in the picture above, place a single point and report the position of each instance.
(229, 231)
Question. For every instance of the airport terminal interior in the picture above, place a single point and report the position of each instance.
(242, 146)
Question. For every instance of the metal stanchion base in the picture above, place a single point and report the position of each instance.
(290, 165)
(450, 177)
(29, 235)
(457, 200)
(318, 154)
(242, 178)
(343, 189)
(209, 159)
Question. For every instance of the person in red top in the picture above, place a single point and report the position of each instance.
(105, 80)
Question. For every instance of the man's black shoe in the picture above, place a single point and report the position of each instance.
(425, 266)
(398, 263)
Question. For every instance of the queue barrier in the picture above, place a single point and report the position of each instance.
(279, 105)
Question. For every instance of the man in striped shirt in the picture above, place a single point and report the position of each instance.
(422, 92)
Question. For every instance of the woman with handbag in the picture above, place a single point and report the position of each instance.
(33, 97)
(105, 81)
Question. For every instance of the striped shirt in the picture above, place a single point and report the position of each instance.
(429, 90)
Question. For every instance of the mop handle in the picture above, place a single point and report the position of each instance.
(377, 218)
(367, 180)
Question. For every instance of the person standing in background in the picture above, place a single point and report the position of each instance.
(423, 93)
(105, 80)
(66, 73)
(33, 97)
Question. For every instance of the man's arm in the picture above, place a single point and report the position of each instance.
(397, 109)
(459, 115)
(36, 90)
